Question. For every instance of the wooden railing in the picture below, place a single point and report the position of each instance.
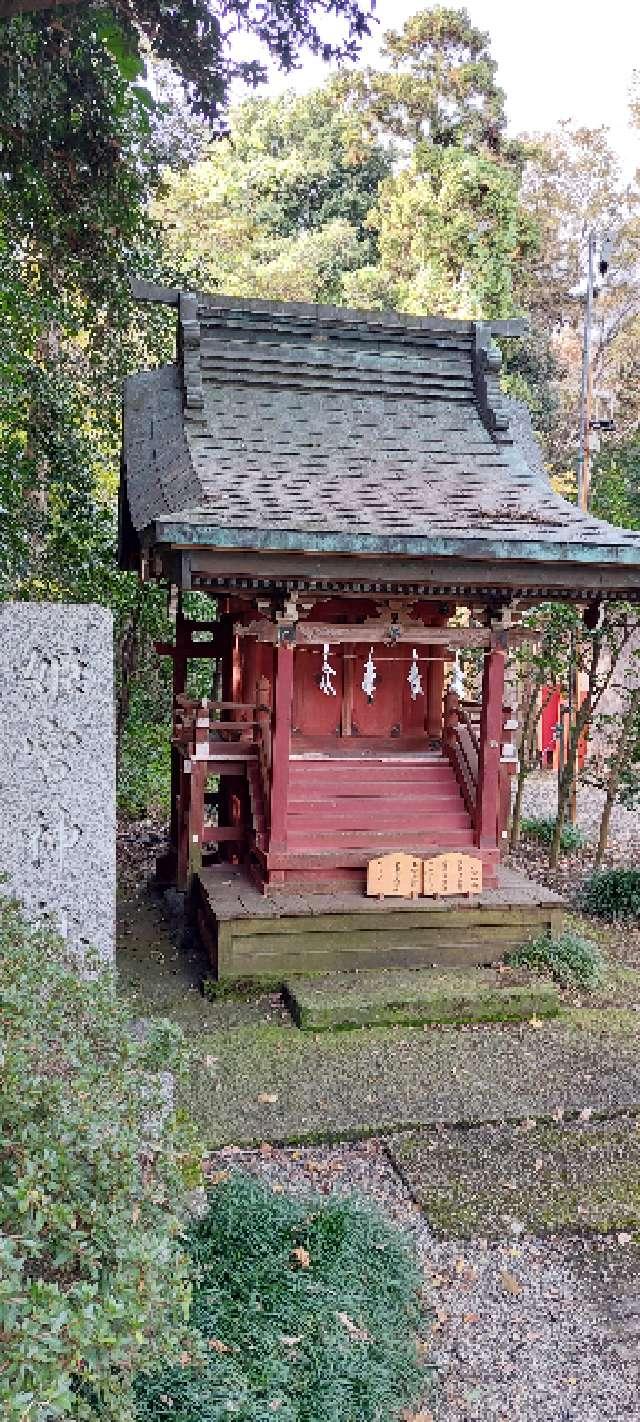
(462, 747)
(221, 738)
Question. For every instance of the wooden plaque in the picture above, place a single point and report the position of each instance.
(394, 876)
(452, 874)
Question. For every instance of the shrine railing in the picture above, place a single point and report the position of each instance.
(222, 739)
(462, 747)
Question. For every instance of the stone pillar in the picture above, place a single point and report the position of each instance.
(57, 768)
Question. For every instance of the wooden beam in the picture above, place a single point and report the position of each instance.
(381, 630)
(487, 802)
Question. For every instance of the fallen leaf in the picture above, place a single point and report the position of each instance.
(417, 1417)
(510, 1284)
(535, 1022)
(266, 1148)
(359, 1335)
(267, 1098)
(471, 1318)
(217, 1346)
(301, 1256)
(185, 1359)
(218, 1177)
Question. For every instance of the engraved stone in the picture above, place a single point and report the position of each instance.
(57, 768)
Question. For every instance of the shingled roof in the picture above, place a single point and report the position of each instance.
(321, 430)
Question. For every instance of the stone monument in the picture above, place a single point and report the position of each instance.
(57, 768)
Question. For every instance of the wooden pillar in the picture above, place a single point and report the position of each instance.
(179, 685)
(435, 691)
(488, 795)
(281, 745)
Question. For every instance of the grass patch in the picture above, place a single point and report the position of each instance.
(240, 989)
(573, 961)
(542, 829)
(583, 1176)
(307, 1311)
(422, 995)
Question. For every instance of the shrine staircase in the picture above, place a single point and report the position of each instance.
(353, 809)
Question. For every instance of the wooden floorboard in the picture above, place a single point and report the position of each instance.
(248, 933)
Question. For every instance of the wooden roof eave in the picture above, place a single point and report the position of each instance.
(199, 533)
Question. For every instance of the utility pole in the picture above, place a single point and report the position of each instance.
(584, 451)
(584, 459)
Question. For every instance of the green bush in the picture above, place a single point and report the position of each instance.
(542, 829)
(94, 1278)
(573, 961)
(612, 893)
(330, 1342)
(144, 775)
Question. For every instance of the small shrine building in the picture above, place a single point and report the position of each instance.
(362, 504)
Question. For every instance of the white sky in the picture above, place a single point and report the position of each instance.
(557, 59)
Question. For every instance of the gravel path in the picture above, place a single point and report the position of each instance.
(541, 800)
(517, 1330)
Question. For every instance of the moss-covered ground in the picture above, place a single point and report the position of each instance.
(432, 1090)
(542, 1178)
(421, 995)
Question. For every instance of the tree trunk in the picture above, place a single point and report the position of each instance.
(584, 716)
(614, 777)
(534, 711)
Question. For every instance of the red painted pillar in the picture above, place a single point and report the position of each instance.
(281, 745)
(488, 796)
(435, 691)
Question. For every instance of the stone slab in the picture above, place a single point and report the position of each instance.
(57, 767)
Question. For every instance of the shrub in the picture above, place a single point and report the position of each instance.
(144, 774)
(542, 829)
(92, 1174)
(312, 1337)
(573, 961)
(612, 893)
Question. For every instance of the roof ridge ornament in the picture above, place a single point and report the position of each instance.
(487, 363)
(189, 344)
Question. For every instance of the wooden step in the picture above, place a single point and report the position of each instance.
(389, 817)
(380, 841)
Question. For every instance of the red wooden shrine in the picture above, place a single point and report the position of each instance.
(361, 506)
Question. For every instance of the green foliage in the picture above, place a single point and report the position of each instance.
(612, 893)
(572, 960)
(195, 38)
(439, 83)
(95, 1280)
(542, 829)
(307, 1344)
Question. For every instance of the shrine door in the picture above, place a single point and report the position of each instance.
(387, 709)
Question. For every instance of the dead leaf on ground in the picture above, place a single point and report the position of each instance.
(359, 1335)
(301, 1256)
(267, 1098)
(417, 1417)
(510, 1284)
(218, 1177)
(217, 1346)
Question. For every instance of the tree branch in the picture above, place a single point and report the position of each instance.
(10, 9)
